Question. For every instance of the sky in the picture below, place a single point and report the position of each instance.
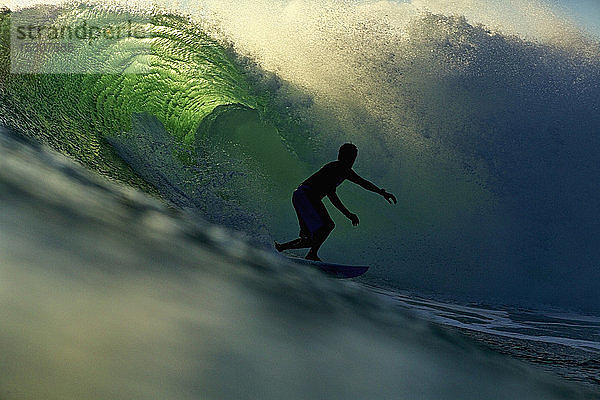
(585, 12)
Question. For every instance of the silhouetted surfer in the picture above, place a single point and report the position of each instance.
(315, 222)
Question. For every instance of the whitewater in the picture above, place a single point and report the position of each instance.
(143, 181)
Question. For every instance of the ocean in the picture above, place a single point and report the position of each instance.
(144, 177)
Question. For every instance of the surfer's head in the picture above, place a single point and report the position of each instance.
(347, 154)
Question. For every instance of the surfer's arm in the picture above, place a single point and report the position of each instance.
(362, 182)
(335, 200)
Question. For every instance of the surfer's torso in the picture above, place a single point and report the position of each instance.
(328, 178)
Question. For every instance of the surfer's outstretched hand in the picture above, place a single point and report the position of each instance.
(389, 197)
(354, 219)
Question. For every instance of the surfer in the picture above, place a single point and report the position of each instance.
(315, 222)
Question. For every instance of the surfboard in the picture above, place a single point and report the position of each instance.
(339, 271)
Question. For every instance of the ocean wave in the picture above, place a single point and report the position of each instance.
(488, 136)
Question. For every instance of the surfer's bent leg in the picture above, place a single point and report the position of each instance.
(300, 243)
(322, 233)
(309, 219)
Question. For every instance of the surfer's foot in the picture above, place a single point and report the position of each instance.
(312, 257)
(279, 247)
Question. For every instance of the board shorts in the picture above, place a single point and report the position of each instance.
(312, 214)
